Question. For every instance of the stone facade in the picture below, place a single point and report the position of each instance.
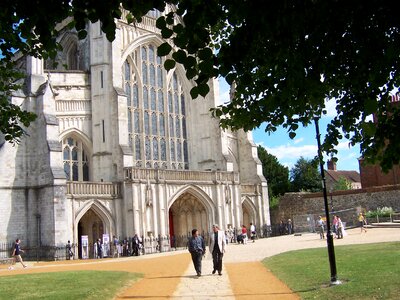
(119, 148)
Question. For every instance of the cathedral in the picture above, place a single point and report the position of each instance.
(120, 148)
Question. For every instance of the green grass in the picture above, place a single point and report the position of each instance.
(65, 285)
(370, 271)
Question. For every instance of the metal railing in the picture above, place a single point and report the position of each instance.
(124, 248)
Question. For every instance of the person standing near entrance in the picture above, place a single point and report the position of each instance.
(17, 253)
(217, 247)
(197, 249)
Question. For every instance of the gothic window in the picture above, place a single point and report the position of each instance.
(156, 108)
(76, 161)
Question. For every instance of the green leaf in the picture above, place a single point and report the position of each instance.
(179, 56)
(194, 92)
(169, 64)
(292, 135)
(203, 89)
(166, 33)
(164, 49)
(82, 34)
(160, 22)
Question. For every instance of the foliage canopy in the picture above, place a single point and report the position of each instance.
(276, 174)
(285, 58)
(305, 176)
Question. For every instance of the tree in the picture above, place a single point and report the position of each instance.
(342, 184)
(276, 174)
(305, 176)
(284, 57)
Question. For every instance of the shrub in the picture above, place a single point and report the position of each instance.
(380, 212)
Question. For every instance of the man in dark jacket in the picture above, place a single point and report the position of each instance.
(197, 249)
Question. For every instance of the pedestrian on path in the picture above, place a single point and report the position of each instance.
(197, 249)
(362, 222)
(321, 229)
(17, 253)
(217, 246)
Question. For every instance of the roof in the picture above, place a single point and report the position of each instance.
(352, 176)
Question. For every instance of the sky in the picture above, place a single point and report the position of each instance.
(288, 151)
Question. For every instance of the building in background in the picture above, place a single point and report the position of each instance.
(372, 175)
(332, 176)
(120, 148)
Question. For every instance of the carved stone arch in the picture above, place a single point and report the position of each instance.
(157, 41)
(141, 40)
(249, 207)
(190, 207)
(69, 43)
(100, 210)
(78, 134)
(198, 193)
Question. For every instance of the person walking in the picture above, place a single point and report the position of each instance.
(217, 247)
(197, 249)
(362, 222)
(340, 229)
(253, 232)
(289, 226)
(320, 224)
(17, 253)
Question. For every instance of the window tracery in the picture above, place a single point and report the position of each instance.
(156, 111)
(75, 159)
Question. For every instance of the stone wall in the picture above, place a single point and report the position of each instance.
(306, 207)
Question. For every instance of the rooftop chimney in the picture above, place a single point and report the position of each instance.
(331, 165)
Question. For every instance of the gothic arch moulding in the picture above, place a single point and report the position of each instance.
(198, 193)
(101, 211)
(248, 205)
(75, 133)
(155, 40)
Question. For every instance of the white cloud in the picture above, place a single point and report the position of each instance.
(289, 152)
(297, 141)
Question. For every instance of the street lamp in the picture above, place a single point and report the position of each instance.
(329, 237)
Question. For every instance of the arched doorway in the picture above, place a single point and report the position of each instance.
(91, 225)
(186, 213)
(249, 213)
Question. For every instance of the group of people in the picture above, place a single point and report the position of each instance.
(337, 227)
(285, 228)
(127, 247)
(217, 245)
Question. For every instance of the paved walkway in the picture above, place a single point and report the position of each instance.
(172, 276)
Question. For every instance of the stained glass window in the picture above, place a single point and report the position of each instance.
(146, 123)
(137, 148)
(172, 149)
(147, 149)
(155, 149)
(154, 124)
(145, 98)
(153, 99)
(135, 96)
(163, 150)
(152, 75)
(162, 125)
(157, 127)
(75, 159)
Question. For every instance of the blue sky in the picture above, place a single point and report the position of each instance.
(288, 151)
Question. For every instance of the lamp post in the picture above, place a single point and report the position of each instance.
(329, 237)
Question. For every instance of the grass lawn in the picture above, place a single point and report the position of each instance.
(369, 271)
(65, 285)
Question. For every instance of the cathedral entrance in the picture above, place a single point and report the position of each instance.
(91, 225)
(186, 213)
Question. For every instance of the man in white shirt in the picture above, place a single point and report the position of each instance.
(217, 248)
